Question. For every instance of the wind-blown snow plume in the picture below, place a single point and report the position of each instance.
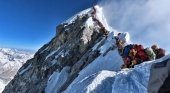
(146, 20)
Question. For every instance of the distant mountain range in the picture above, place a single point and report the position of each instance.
(83, 57)
(10, 61)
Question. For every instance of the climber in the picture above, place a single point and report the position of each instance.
(121, 36)
(121, 41)
(150, 53)
(130, 60)
(133, 54)
(120, 46)
(94, 10)
(137, 55)
(93, 13)
(158, 51)
(127, 62)
(126, 50)
(128, 55)
(103, 29)
(141, 54)
(125, 56)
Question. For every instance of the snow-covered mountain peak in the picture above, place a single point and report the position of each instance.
(14, 55)
(73, 18)
(81, 58)
(98, 15)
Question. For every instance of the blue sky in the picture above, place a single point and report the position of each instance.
(147, 21)
(29, 24)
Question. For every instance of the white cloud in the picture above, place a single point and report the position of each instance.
(148, 21)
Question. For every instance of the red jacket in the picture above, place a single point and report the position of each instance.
(140, 55)
(127, 60)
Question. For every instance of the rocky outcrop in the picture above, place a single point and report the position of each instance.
(71, 48)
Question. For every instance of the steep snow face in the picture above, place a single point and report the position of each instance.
(103, 75)
(80, 60)
(134, 80)
(108, 61)
(56, 80)
(100, 82)
(99, 15)
(10, 61)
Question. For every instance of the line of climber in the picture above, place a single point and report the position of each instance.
(134, 54)
(93, 14)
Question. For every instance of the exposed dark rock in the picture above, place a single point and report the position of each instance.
(70, 47)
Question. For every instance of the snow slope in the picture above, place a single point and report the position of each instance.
(97, 70)
(134, 80)
(103, 75)
(10, 61)
(57, 80)
(99, 15)
(103, 67)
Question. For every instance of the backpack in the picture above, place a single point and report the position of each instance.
(127, 49)
(127, 61)
(138, 47)
(141, 55)
(160, 53)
